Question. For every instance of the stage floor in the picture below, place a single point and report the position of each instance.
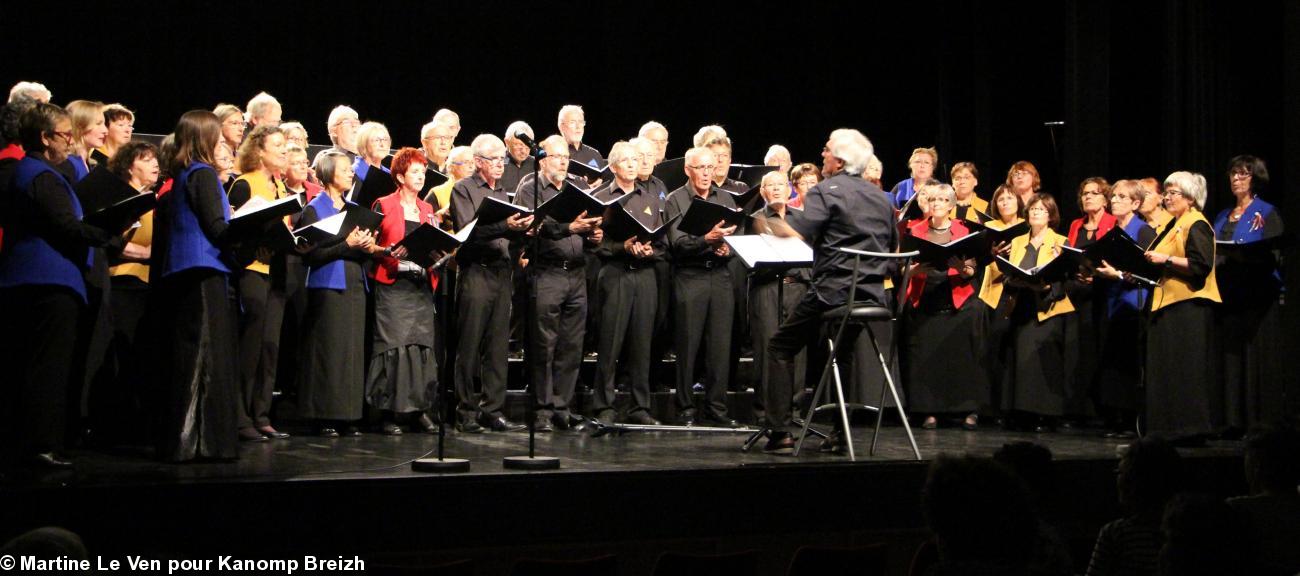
(373, 456)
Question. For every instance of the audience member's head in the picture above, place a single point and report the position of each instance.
(47, 543)
(1273, 462)
(1150, 473)
(1033, 463)
(959, 490)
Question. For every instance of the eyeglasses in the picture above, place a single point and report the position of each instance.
(235, 123)
(704, 168)
(574, 123)
(381, 140)
(560, 157)
(1241, 174)
(492, 159)
(441, 138)
(66, 136)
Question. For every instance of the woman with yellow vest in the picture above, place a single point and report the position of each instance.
(1007, 212)
(1183, 398)
(965, 177)
(1040, 357)
(136, 163)
(262, 158)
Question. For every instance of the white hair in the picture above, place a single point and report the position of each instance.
(459, 154)
(696, 152)
(874, 168)
(364, 133)
(640, 141)
(851, 147)
(445, 116)
(554, 141)
(710, 133)
(773, 151)
(569, 109)
(260, 105)
(339, 114)
(291, 126)
(486, 144)
(1191, 184)
(519, 126)
(33, 90)
(644, 132)
(622, 150)
(940, 189)
(773, 175)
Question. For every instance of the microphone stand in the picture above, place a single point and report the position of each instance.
(532, 461)
(441, 464)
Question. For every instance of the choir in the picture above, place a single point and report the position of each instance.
(1144, 312)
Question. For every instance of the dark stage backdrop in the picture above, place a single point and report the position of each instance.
(1144, 88)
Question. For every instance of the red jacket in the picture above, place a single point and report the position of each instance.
(1107, 222)
(392, 230)
(962, 289)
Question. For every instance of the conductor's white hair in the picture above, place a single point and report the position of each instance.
(852, 148)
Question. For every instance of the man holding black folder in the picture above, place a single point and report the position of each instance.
(628, 288)
(483, 288)
(702, 285)
(557, 290)
(842, 211)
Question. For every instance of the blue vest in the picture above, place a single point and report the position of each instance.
(1123, 298)
(79, 168)
(1242, 234)
(28, 259)
(329, 276)
(902, 192)
(187, 246)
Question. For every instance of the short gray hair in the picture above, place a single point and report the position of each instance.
(445, 116)
(457, 154)
(326, 163)
(939, 188)
(851, 147)
(708, 134)
(874, 167)
(622, 150)
(1191, 184)
(364, 133)
(774, 150)
(33, 90)
(696, 152)
(485, 144)
(339, 114)
(644, 132)
(519, 126)
(554, 141)
(568, 109)
(288, 127)
(260, 105)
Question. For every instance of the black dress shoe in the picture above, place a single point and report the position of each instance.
(49, 461)
(542, 424)
(560, 421)
(501, 424)
(779, 443)
(425, 424)
(468, 425)
(390, 429)
(833, 443)
(686, 417)
(327, 432)
(719, 420)
(251, 435)
(642, 418)
(272, 433)
(605, 416)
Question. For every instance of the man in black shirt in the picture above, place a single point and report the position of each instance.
(573, 125)
(843, 211)
(628, 292)
(483, 291)
(342, 126)
(557, 292)
(519, 162)
(705, 297)
(650, 153)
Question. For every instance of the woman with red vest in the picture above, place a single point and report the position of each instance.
(403, 372)
(1088, 294)
(941, 356)
(192, 262)
(42, 291)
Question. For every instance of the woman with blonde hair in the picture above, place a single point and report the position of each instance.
(88, 132)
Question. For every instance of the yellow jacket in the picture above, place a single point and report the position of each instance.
(143, 235)
(1019, 245)
(261, 185)
(1173, 288)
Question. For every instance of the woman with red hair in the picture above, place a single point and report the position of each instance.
(402, 372)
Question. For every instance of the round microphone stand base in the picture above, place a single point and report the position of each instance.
(531, 463)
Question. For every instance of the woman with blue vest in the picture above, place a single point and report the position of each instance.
(192, 264)
(1250, 281)
(333, 370)
(1119, 373)
(42, 291)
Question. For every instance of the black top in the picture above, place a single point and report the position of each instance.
(555, 242)
(845, 211)
(645, 206)
(516, 172)
(205, 198)
(584, 154)
(655, 186)
(489, 243)
(688, 249)
(1200, 254)
(47, 213)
